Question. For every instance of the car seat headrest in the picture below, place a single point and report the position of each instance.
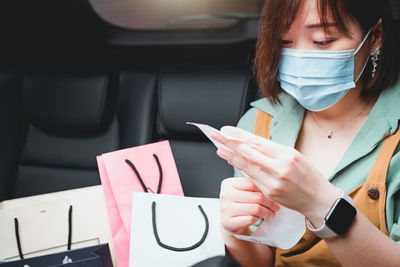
(209, 96)
(66, 103)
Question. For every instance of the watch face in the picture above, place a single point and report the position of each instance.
(340, 216)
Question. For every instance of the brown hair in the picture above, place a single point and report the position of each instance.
(280, 14)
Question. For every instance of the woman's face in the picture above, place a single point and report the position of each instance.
(307, 33)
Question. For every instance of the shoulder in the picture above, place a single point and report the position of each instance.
(248, 120)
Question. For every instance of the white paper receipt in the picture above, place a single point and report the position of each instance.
(284, 231)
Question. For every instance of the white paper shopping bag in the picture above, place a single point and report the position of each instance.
(43, 222)
(173, 230)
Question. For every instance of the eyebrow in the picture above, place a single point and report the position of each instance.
(320, 25)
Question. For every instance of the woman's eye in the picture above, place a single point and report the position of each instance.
(285, 42)
(323, 43)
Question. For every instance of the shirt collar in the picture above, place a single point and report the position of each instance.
(387, 107)
(383, 121)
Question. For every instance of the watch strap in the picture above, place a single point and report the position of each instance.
(324, 231)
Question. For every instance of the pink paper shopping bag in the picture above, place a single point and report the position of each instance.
(148, 168)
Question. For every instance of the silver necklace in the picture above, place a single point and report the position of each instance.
(330, 132)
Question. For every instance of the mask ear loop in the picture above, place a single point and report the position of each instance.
(358, 49)
(364, 40)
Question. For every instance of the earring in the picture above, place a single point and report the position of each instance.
(375, 57)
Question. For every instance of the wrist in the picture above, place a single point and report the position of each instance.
(321, 206)
(338, 219)
(232, 244)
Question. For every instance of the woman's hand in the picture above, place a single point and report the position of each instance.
(243, 204)
(282, 173)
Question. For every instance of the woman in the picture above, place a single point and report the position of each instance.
(328, 71)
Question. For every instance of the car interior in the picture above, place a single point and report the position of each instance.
(79, 78)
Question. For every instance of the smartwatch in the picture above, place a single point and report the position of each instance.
(338, 219)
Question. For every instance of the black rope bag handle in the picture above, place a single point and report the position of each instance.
(153, 211)
(146, 189)
(16, 224)
(17, 236)
(194, 246)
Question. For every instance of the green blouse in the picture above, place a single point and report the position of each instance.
(357, 161)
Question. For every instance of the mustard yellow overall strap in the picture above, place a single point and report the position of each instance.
(382, 162)
(262, 124)
(371, 199)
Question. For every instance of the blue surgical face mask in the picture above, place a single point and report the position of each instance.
(318, 79)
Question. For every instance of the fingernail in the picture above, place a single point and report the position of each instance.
(215, 136)
(223, 129)
(223, 153)
(277, 208)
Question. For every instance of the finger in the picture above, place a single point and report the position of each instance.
(267, 186)
(217, 136)
(239, 224)
(246, 209)
(242, 149)
(252, 156)
(256, 198)
(244, 184)
(265, 180)
(239, 183)
(264, 145)
(249, 161)
(246, 190)
(232, 194)
(237, 133)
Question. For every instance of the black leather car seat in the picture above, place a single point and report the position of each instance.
(10, 134)
(70, 119)
(216, 96)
